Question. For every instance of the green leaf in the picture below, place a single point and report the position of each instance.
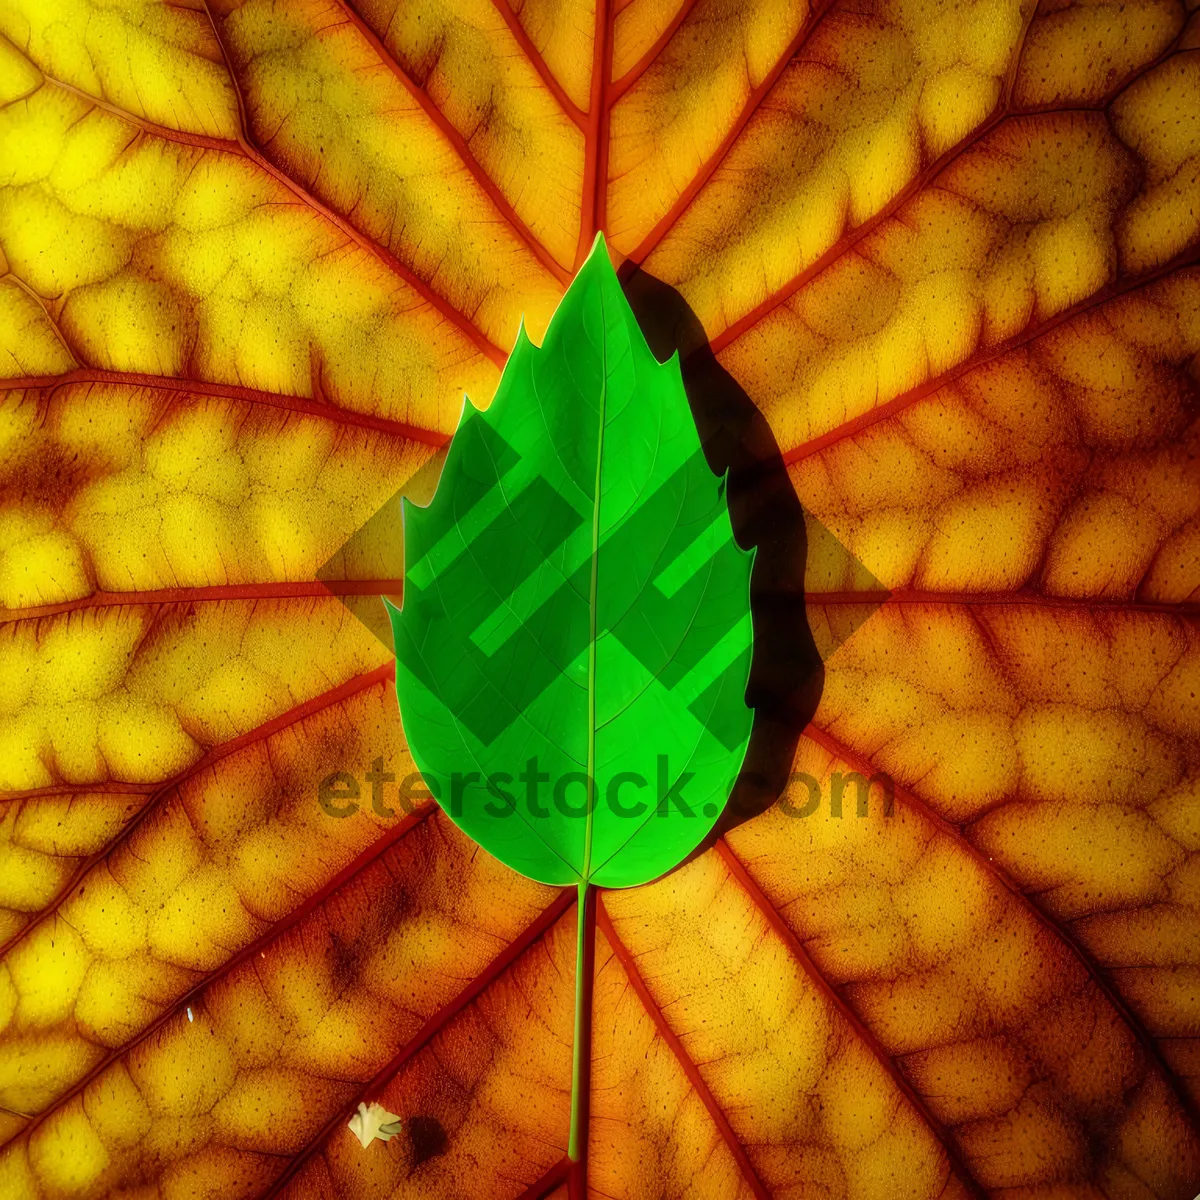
(574, 646)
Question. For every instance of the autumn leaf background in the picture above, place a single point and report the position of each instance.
(253, 255)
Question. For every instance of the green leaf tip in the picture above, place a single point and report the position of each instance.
(575, 641)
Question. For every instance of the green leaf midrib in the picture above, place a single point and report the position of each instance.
(593, 616)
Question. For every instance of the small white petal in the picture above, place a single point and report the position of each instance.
(373, 1122)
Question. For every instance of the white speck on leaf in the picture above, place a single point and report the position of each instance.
(374, 1121)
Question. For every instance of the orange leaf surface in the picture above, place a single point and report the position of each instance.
(251, 256)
